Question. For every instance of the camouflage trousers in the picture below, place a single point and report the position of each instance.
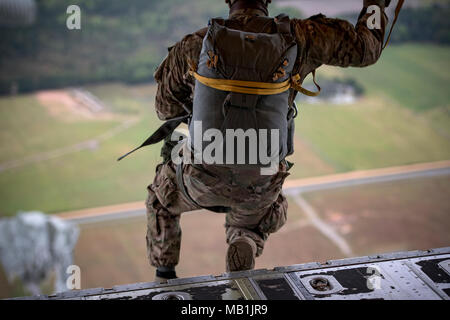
(257, 206)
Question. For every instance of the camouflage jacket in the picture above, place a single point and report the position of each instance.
(320, 40)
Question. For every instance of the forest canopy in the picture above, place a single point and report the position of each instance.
(126, 40)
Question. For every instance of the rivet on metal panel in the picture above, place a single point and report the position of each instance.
(173, 296)
(321, 284)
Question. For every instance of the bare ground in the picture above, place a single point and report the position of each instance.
(405, 215)
(63, 105)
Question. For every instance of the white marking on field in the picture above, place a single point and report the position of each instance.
(323, 227)
(91, 144)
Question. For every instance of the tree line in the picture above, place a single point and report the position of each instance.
(126, 40)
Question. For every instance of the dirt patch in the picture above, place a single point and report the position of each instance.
(393, 216)
(63, 105)
(114, 252)
(298, 246)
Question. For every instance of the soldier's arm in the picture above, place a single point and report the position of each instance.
(175, 86)
(337, 42)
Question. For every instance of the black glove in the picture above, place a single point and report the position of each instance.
(387, 3)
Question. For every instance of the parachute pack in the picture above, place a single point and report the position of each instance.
(243, 81)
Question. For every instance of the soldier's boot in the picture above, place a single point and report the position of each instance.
(241, 254)
(165, 273)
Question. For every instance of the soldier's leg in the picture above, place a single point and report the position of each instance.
(165, 203)
(247, 232)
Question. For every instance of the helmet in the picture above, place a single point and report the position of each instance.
(265, 2)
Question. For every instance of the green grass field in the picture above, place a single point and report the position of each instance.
(415, 76)
(370, 134)
(403, 119)
(82, 179)
(27, 128)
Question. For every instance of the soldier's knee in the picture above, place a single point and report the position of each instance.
(276, 216)
(157, 215)
(162, 191)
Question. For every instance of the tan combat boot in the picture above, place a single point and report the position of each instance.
(164, 273)
(241, 254)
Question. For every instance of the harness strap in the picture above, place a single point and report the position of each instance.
(182, 187)
(258, 88)
(283, 23)
(163, 131)
(296, 85)
(239, 83)
(397, 13)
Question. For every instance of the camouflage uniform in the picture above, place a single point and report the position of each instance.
(258, 207)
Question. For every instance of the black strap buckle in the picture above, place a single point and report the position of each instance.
(293, 112)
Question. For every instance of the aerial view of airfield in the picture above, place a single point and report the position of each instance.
(371, 169)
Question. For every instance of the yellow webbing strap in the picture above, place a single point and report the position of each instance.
(300, 89)
(254, 87)
(397, 12)
(248, 87)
